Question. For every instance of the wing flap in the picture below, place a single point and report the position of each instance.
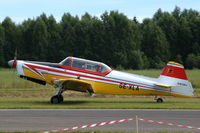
(73, 84)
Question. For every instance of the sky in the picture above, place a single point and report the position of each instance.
(20, 10)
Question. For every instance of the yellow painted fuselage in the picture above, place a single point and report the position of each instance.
(116, 83)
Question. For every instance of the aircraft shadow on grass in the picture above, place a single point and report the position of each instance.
(63, 103)
(74, 102)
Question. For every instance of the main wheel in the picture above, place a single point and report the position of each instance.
(159, 100)
(55, 99)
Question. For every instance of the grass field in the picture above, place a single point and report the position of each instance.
(100, 103)
(19, 93)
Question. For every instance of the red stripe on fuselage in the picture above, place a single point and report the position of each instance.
(81, 75)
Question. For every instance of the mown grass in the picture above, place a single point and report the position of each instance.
(17, 93)
(9, 80)
(100, 103)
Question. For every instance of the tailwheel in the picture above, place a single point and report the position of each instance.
(159, 100)
(57, 99)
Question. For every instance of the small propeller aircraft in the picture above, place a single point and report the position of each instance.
(97, 78)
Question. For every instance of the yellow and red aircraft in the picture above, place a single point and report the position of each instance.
(95, 77)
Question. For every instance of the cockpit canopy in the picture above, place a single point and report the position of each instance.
(83, 65)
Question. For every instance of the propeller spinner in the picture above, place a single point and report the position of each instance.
(12, 63)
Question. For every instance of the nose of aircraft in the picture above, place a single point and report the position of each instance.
(12, 63)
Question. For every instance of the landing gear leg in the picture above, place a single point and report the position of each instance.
(158, 100)
(90, 92)
(58, 98)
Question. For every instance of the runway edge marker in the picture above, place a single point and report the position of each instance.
(169, 124)
(90, 125)
(120, 121)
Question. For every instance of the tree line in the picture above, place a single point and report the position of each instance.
(112, 38)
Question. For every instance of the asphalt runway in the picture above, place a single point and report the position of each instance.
(50, 119)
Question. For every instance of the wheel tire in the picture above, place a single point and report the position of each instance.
(55, 99)
(159, 100)
(61, 99)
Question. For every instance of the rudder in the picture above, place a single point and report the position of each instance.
(174, 75)
(174, 70)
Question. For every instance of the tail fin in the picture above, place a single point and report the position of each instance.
(175, 77)
(175, 70)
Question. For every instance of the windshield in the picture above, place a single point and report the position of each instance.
(84, 64)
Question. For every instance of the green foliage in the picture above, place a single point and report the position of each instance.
(39, 49)
(113, 39)
(2, 41)
(10, 38)
(137, 60)
(154, 44)
(193, 61)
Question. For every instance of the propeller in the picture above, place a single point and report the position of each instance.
(13, 63)
(15, 58)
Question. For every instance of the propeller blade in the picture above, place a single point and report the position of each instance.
(15, 57)
(13, 63)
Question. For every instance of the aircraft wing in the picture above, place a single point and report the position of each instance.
(73, 84)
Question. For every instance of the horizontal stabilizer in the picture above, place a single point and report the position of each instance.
(162, 85)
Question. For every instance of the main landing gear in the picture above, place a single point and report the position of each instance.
(58, 98)
(158, 100)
